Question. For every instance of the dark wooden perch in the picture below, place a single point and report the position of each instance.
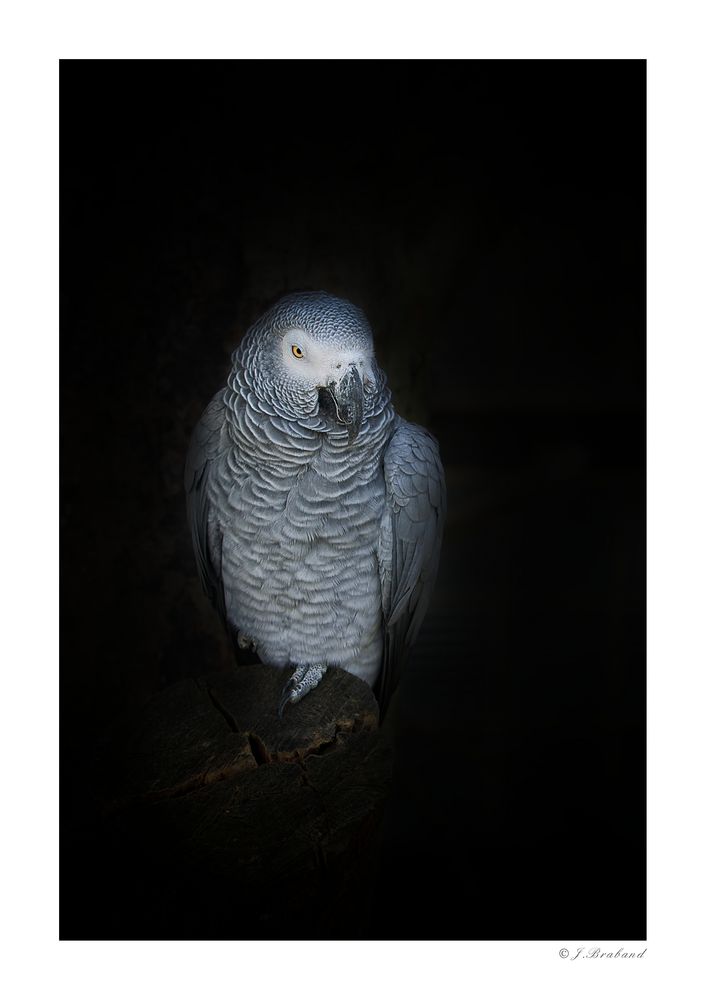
(221, 820)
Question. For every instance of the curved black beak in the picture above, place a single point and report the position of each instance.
(347, 396)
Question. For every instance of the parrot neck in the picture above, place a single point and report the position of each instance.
(265, 422)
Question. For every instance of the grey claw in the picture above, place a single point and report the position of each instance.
(305, 677)
(284, 700)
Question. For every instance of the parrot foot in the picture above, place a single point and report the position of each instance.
(305, 677)
(245, 642)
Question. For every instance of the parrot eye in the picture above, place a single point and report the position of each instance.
(297, 351)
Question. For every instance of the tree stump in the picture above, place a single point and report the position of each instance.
(219, 820)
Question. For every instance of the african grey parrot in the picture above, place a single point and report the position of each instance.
(316, 512)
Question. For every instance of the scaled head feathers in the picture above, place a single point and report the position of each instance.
(312, 353)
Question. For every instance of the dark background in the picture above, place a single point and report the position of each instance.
(489, 217)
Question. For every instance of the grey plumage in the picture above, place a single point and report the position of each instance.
(316, 512)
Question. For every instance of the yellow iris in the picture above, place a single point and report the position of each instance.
(297, 351)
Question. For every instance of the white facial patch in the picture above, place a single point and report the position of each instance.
(317, 363)
(295, 342)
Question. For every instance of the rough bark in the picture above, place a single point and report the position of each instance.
(225, 821)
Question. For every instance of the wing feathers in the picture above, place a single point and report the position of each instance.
(409, 543)
(207, 442)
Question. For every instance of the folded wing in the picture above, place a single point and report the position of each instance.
(208, 441)
(409, 544)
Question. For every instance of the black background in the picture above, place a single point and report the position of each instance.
(489, 217)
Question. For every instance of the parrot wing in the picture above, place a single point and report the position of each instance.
(409, 543)
(208, 442)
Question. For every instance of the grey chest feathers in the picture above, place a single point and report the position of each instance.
(299, 535)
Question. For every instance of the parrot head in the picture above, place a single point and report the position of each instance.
(312, 353)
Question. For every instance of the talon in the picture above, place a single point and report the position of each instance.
(305, 677)
(286, 697)
(245, 642)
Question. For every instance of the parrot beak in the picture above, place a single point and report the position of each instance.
(347, 396)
